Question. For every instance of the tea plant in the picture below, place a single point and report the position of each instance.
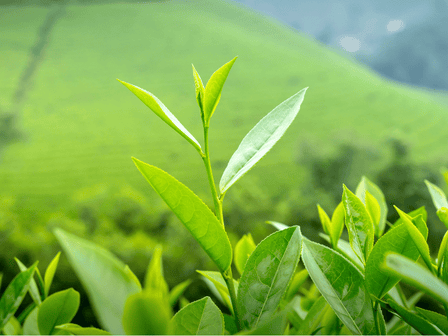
(353, 282)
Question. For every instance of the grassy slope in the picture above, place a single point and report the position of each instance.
(83, 126)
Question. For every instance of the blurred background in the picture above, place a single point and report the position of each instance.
(377, 105)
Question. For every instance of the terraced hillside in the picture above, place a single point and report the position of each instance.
(81, 126)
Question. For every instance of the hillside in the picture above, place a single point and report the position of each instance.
(81, 126)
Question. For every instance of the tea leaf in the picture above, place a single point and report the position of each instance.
(342, 285)
(49, 273)
(420, 324)
(34, 291)
(13, 295)
(278, 226)
(260, 140)
(337, 224)
(199, 90)
(219, 284)
(416, 275)
(58, 308)
(442, 213)
(413, 214)
(154, 275)
(324, 219)
(78, 330)
(163, 113)
(359, 225)
(437, 195)
(201, 317)
(442, 259)
(297, 281)
(375, 191)
(93, 264)
(13, 327)
(346, 250)
(374, 210)
(213, 90)
(177, 291)
(192, 212)
(243, 250)
(267, 274)
(438, 320)
(30, 326)
(146, 313)
(276, 325)
(313, 317)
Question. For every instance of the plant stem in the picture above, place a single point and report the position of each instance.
(228, 277)
(211, 181)
(375, 317)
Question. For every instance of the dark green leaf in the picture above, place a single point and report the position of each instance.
(201, 317)
(103, 276)
(276, 325)
(13, 295)
(49, 273)
(260, 140)
(342, 285)
(163, 113)
(442, 259)
(192, 212)
(438, 320)
(230, 325)
(58, 308)
(243, 250)
(267, 275)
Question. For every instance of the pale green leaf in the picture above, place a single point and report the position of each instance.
(213, 89)
(313, 317)
(278, 226)
(416, 275)
(154, 275)
(346, 250)
(442, 213)
(15, 292)
(34, 291)
(103, 276)
(342, 285)
(58, 308)
(192, 212)
(266, 276)
(13, 327)
(201, 317)
(359, 225)
(243, 249)
(374, 210)
(78, 330)
(297, 281)
(30, 326)
(260, 140)
(199, 91)
(337, 224)
(437, 195)
(420, 211)
(219, 286)
(325, 220)
(49, 273)
(177, 291)
(163, 113)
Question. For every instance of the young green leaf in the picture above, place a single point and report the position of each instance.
(342, 285)
(93, 264)
(163, 113)
(359, 225)
(34, 291)
(49, 273)
(346, 250)
(260, 140)
(154, 275)
(213, 90)
(199, 90)
(375, 191)
(58, 308)
(201, 317)
(297, 281)
(421, 325)
(192, 212)
(442, 259)
(416, 275)
(276, 325)
(243, 250)
(30, 326)
(445, 175)
(278, 226)
(324, 219)
(313, 317)
(420, 211)
(13, 327)
(146, 313)
(78, 330)
(337, 224)
(374, 210)
(437, 195)
(177, 291)
(438, 320)
(219, 286)
(442, 213)
(13, 295)
(267, 274)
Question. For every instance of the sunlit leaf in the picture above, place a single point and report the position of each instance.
(213, 90)
(437, 195)
(342, 285)
(13, 327)
(442, 213)
(260, 140)
(243, 249)
(219, 286)
(266, 276)
(199, 91)
(346, 250)
(49, 273)
(192, 212)
(78, 330)
(201, 317)
(30, 326)
(34, 291)
(103, 276)
(278, 226)
(337, 224)
(297, 281)
(324, 220)
(154, 275)
(162, 112)
(15, 292)
(420, 211)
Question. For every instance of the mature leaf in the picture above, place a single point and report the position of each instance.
(243, 250)
(313, 318)
(199, 91)
(337, 224)
(162, 112)
(359, 225)
(78, 330)
(420, 324)
(13, 295)
(375, 191)
(201, 317)
(416, 275)
(437, 195)
(192, 212)
(230, 325)
(34, 291)
(30, 326)
(342, 285)
(437, 319)
(260, 140)
(177, 291)
(49, 273)
(397, 240)
(146, 313)
(154, 275)
(213, 90)
(103, 276)
(324, 220)
(276, 325)
(58, 308)
(267, 274)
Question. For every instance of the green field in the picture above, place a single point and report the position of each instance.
(81, 126)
